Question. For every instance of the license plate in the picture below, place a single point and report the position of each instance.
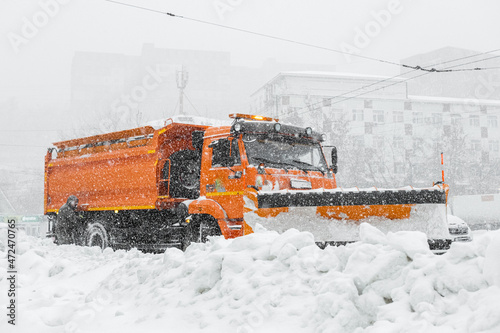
(299, 183)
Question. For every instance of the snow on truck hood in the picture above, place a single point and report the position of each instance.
(264, 282)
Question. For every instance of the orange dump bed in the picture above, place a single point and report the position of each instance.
(113, 171)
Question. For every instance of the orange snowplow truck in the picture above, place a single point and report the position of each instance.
(157, 188)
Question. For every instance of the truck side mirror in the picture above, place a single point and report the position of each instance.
(334, 160)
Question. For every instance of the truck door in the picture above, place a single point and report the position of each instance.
(225, 178)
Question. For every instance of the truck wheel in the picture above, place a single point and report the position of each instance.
(199, 230)
(96, 235)
(51, 227)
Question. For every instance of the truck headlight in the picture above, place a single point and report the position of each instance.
(261, 169)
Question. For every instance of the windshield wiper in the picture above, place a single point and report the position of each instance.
(265, 160)
(293, 165)
(314, 167)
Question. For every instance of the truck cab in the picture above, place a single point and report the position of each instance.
(252, 155)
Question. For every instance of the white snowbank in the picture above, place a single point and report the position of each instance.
(264, 282)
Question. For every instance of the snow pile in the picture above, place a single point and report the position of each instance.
(264, 282)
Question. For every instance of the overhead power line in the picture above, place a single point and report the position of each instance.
(416, 67)
(394, 83)
(411, 78)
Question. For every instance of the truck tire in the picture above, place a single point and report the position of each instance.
(200, 229)
(185, 174)
(96, 235)
(51, 227)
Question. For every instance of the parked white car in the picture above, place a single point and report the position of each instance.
(459, 230)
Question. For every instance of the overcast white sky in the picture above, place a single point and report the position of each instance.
(44, 56)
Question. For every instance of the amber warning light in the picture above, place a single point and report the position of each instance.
(251, 117)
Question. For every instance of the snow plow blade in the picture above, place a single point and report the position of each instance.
(334, 216)
(355, 198)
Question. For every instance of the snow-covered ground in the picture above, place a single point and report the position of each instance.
(264, 282)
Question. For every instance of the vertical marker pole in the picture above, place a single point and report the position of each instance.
(442, 167)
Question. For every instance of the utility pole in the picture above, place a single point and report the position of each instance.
(182, 80)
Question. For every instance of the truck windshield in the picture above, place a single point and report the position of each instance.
(284, 152)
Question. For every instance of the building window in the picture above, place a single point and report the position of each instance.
(475, 145)
(358, 142)
(377, 167)
(437, 145)
(492, 121)
(368, 128)
(446, 107)
(357, 115)
(418, 117)
(378, 141)
(378, 116)
(336, 114)
(408, 129)
(397, 116)
(408, 106)
(418, 144)
(485, 157)
(437, 118)
(327, 124)
(398, 168)
(420, 170)
(398, 142)
(456, 119)
(368, 104)
(494, 146)
(327, 102)
(447, 130)
(484, 132)
(408, 153)
(474, 120)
